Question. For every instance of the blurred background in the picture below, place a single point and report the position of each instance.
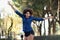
(11, 24)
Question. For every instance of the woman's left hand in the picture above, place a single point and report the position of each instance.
(48, 17)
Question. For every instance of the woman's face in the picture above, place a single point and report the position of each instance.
(27, 14)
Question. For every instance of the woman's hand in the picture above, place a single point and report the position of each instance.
(11, 5)
(48, 17)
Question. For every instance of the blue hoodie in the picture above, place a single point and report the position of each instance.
(27, 21)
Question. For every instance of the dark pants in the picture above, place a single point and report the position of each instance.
(28, 33)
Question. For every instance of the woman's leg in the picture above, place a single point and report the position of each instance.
(30, 37)
(25, 38)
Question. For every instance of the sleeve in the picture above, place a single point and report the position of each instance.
(38, 19)
(18, 13)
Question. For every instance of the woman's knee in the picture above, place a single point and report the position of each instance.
(31, 37)
(25, 38)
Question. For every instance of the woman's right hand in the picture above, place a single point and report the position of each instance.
(11, 5)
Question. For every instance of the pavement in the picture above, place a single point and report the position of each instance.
(51, 37)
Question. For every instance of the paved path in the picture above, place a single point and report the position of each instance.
(54, 37)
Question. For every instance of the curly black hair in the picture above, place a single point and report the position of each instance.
(28, 10)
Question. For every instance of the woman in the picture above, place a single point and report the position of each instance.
(27, 19)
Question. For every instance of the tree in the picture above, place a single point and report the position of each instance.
(36, 5)
(9, 29)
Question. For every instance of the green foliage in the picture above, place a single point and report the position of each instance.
(54, 4)
(1, 20)
(39, 4)
(17, 3)
(36, 5)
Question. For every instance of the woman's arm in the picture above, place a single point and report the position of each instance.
(11, 6)
(41, 19)
(17, 12)
(38, 19)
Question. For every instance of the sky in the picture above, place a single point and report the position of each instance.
(5, 9)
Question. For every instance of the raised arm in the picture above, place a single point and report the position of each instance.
(17, 12)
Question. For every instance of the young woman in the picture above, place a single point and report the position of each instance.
(27, 19)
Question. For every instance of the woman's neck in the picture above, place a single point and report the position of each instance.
(27, 17)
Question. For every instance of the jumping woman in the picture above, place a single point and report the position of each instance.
(27, 19)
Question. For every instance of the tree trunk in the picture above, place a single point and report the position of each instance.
(58, 11)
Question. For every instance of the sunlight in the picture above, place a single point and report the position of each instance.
(4, 7)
